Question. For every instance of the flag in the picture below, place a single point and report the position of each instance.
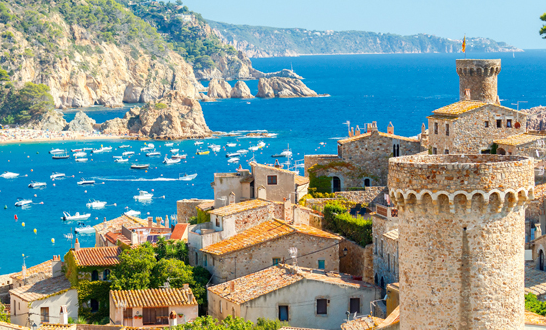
(464, 44)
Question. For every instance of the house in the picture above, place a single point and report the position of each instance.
(91, 264)
(305, 297)
(385, 252)
(130, 233)
(152, 307)
(267, 244)
(115, 226)
(180, 232)
(41, 302)
(524, 144)
(46, 269)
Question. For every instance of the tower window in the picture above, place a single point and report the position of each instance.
(447, 129)
(446, 152)
(435, 128)
(499, 123)
(434, 151)
(509, 123)
(486, 123)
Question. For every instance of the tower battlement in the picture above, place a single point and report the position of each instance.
(480, 77)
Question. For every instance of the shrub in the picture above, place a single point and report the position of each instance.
(534, 305)
(160, 106)
(338, 220)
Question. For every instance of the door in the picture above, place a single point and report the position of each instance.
(541, 260)
(148, 316)
(336, 183)
(354, 306)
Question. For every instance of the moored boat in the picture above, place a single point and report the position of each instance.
(153, 153)
(22, 202)
(127, 153)
(170, 144)
(95, 204)
(9, 175)
(86, 182)
(232, 154)
(80, 154)
(202, 152)
(121, 160)
(81, 160)
(143, 196)
(125, 146)
(233, 160)
(68, 217)
(56, 175)
(177, 156)
(56, 151)
(37, 184)
(60, 156)
(140, 167)
(169, 161)
(132, 213)
(231, 144)
(174, 151)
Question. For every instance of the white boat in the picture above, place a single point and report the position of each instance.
(151, 145)
(143, 196)
(232, 154)
(286, 153)
(198, 143)
(56, 151)
(81, 160)
(95, 204)
(125, 146)
(84, 230)
(84, 182)
(87, 149)
(169, 161)
(216, 149)
(127, 153)
(174, 151)
(22, 202)
(121, 160)
(177, 156)
(80, 154)
(98, 151)
(106, 148)
(153, 153)
(233, 160)
(146, 148)
(77, 216)
(132, 213)
(76, 150)
(63, 155)
(254, 148)
(231, 144)
(187, 177)
(170, 144)
(9, 175)
(212, 146)
(56, 175)
(242, 151)
(37, 184)
(261, 144)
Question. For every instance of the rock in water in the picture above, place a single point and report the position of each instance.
(51, 120)
(283, 87)
(284, 73)
(241, 91)
(536, 119)
(81, 123)
(172, 117)
(219, 89)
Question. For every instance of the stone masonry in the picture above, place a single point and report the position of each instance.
(480, 77)
(461, 223)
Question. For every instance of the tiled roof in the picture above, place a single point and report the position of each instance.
(393, 318)
(179, 230)
(301, 180)
(117, 223)
(41, 289)
(206, 205)
(458, 108)
(443, 117)
(56, 326)
(363, 323)
(257, 284)
(4, 325)
(112, 237)
(271, 168)
(534, 319)
(294, 328)
(519, 139)
(261, 233)
(153, 297)
(44, 267)
(393, 234)
(97, 256)
(6, 279)
(366, 135)
(239, 207)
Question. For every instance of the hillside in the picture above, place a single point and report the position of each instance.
(260, 41)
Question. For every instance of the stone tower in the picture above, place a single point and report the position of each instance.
(480, 77)
(461, 225)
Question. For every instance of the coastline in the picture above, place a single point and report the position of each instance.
(15, 135)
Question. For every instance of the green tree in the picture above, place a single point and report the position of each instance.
(134, 269)
(534, 305)
(4, 76)
(543, 29)
(231, 323)
(174, 271)
(4, 317)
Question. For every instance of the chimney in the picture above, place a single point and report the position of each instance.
(480, 77)
(352, 132)
(104, 223)
(24, 272)
(231, 286)
(357, 131)
(423, 129)
(186, 286)
(77, 245)
(158, 221)
(390, 128)
(167, 221)
(538, 231)
(372, 127)
(277, 165)
(56, 266)
(150, 221)
(173, 317)
(63, 315)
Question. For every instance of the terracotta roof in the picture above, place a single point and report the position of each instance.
(443, 117)
(393, 234)
(117, 223)
(112, 237)
(534, 319)
(179, 230)
(97, 256)
(44, 267)
(55, 326)
(366, 135)
(301, 180)
(41, 289)
(257, 284)
(206, 205)
(458, 108)
(271, 168)
(261, 233)
(519, 139)
(393, 318)
(239, 207)
(363, 323)
(12, 326)
(154, 297)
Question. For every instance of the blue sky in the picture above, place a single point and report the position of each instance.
(515, 22)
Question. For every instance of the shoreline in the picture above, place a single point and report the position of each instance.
(12, 135)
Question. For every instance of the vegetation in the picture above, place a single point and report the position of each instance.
(338, 220)
(4, 317)
(20, 105)
(542, 29)
(231, 323)
(534, 305)
(95, 290)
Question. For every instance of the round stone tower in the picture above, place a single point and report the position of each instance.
(461, 227)
(480, 78)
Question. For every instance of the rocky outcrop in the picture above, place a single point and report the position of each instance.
(283, 87)
(51, 120)
(284, 73)
(229, 67)
(81, 123)
(172, 117)
(219, 89)
(241, 91)
(536, 119)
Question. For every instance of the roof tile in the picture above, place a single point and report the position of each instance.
(179, 230)
(239, 207)
(97, 256)
(519, 139)
(45, 267)
(366, 135)
(41, 289)
(153, 297)
(458, 108)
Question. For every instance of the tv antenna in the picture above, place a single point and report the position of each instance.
(517, 104)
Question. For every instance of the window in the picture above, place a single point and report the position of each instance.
(375, 245)
(94, 306)
(486, 123)
(217, 222)
(276, 261)
(322, 306)
(434, 151)
(388, 262)
(105, 274)
(94, 275)
(196, 259)
(220, 307)
(446, 152)
(15, 306)
(213, 263)
(367, 182)
(508, 123)
(128, 313)
(447, 129)
(271, 180)
(44, 315)
(205, 261)
(354, 305)
(499, 123)
(283, 313)
(382, 248)
(435, 128)
(321, 264)
(233, 311)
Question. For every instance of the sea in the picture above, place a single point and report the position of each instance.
(401, 89)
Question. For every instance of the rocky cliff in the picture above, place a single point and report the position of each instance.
(81, 123)
(283, 87)
(241, 91)
(51, 120)
(536, 119)
(219, 89)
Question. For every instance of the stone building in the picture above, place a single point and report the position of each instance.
(115, 225)
(525, 144)
(385, 247)
(91, 264)
(362, 160)
(267, 244)
(461, 243)
(45, 270)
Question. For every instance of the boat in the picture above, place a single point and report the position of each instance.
(177, 156)
(84, 230)
(286, 153)
(60, 156)
(146, 148)
(174, 151)
(143, 196)
(242, 151)
(254, 148)
(231, 144)
(202, 152)
(98, 151)
(169, 161)
(95, 204)
(116, 157)
(132, 213)
(80, 154)
(81, 160)
(9, 175)
(197, 143)
(76, 150)
(153, 153)
(216, 149)
(56, 175)
(85, 182)
(187, 177)
(77, 216)
(125, 146)
(56, 151)
(261, 144)
(106, 148)
(87, 149)
(121, 160)
(151, 145)
(213, 146)
(232, 154)
(127, 153)
(233, 160)
(140, 167)
(22, 202)
(170, 144)
(37, 184)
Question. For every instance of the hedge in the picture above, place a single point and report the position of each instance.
(340, 221)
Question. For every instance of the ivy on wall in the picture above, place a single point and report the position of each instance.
(99, 291)
(323, 183)
(337, 219)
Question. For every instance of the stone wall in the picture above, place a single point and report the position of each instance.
(370, 196)
(358, 261)
(461, 240)
(186, 208)
(385, 251)
(480, 77)
(311, 160)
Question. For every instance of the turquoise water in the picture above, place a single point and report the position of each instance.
(403, 89)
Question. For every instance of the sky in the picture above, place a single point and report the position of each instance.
(514, 22)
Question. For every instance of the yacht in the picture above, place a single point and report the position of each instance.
(121, 160)
(37, 184)
(67, 217)
(174, 151)
(56, 151)
(132, 213)
(233, 160)
(95, 204)
(242, 151)
(140, 167)
(254, 148)
(81, 160)
(170, 144)
(153, 153)
(170, 161)
(9, 175)
(202, 152)
(80, 154)
(261, 144)
(143, 196)
(177, 156)
(231, 144)
(106, 148)
(197, 143)
(84, 230)
(76, 150)
(286, 153)
(22, 202)
(146, 148)
(56, 175)
(125, 146)
(60, 156)
(212, 146)
(128, 153)
(216, 149)
(187, 177)
(232, 154)
(85, 182)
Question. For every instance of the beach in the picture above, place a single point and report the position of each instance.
(23, 135)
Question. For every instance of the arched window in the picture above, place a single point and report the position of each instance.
(94, 275)
(376, 281)
(105, 274)
(367, 182)
(382, 282)
(336, 184)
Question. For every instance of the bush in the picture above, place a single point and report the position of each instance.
(338, 220)
(534, 305)
(160, 106)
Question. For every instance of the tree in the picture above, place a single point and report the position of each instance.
(231, 323)
(174, 271)
(134, 269)
(543, 29)
(171, 250)
(4, 317)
